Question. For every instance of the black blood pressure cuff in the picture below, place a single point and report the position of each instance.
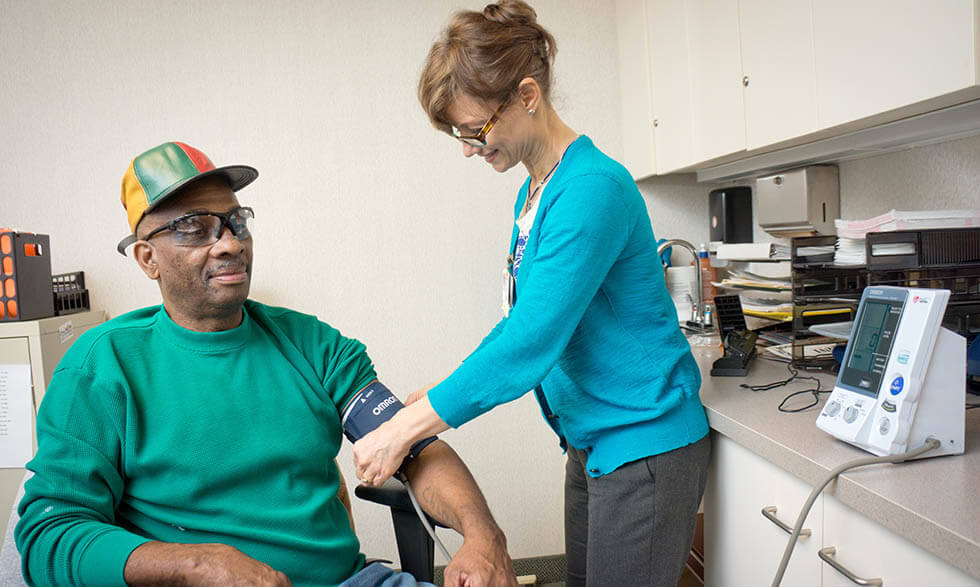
(369, 408)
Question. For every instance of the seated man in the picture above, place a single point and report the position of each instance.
(194, 442)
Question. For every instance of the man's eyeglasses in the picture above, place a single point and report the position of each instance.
(198, 229)
(480, 138)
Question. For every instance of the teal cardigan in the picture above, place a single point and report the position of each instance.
(593, 329)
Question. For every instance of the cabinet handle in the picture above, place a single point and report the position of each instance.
(827, 556)
(656, 122)
(745, 81)
(769, 513)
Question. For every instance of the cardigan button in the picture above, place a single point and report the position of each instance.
(593, 470)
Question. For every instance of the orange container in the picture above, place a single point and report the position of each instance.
(25, 276)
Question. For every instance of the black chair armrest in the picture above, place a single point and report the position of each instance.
(415, 546)
(392, 494)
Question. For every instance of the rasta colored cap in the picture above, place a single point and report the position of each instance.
(161, 172)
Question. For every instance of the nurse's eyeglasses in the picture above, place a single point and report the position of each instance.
(480, 138)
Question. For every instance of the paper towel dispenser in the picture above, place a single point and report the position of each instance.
(801, 202)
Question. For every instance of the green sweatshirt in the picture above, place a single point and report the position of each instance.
(149, 431)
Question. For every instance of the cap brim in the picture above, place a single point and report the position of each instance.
(237, 176)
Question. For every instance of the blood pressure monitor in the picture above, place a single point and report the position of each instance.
(903, 377)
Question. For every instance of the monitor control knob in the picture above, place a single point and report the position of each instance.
(850, 414)
(884, 425)
(833, 408)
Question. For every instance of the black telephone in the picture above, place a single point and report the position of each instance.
(739, 341)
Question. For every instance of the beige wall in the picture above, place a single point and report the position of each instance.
(366, 216)
(944, 176)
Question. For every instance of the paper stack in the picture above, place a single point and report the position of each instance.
(851, 233)
(745, 252)
(761, 297)
(753, 252)
(680, 285)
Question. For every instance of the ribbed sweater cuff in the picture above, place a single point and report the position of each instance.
(451, 404)
(106, 556)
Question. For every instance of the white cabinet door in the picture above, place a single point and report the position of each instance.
(635, 88)
(877, 55)
(741, 546)
(716, 78)
(673, 119)
(778, 69)
(871, 551)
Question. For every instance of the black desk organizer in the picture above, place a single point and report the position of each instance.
(739, 341)
(69, 291)
(943, 258)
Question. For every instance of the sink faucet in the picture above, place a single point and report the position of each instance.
(698, 324)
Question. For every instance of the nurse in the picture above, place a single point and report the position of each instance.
(588, 325)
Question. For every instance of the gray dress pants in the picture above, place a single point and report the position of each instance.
(635, 525)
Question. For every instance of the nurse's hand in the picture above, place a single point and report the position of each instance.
(417, 395)
(379, 453)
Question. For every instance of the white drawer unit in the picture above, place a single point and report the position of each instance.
(747, 502)
(42, 343)
(865, 550)
(843, 548)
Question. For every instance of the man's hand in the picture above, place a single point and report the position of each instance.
(163, 563)
(481, 562)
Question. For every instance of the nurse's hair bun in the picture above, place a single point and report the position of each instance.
(511, 12)
(485, 55)
(519, 14)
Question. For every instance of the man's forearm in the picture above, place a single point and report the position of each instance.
(447, 491)
(165, 563)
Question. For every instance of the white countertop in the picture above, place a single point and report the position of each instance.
(934, 503)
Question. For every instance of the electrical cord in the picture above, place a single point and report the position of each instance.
(794, 376)
(422, 516)
(775, 384)
(931, 444)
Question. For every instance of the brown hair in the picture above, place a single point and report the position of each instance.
(485, 55)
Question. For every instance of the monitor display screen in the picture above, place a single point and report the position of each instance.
(871, 345)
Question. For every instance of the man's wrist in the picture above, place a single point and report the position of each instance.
(160, 563)
(479, 529)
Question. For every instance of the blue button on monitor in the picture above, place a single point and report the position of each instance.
(897, 384)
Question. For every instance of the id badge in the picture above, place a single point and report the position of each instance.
(509, 288)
